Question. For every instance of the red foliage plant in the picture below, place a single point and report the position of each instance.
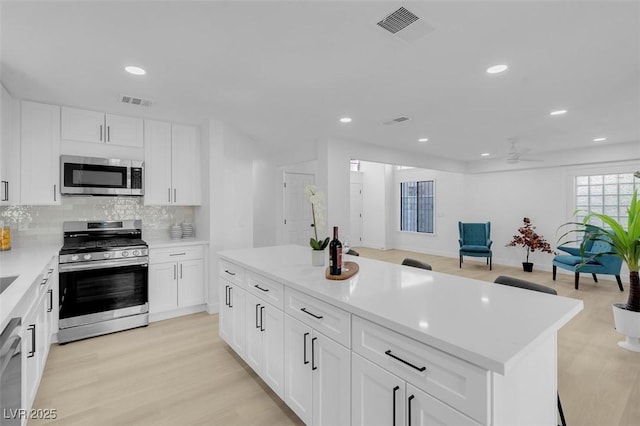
(529, 239)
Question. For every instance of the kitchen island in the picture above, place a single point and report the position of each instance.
(452, 348)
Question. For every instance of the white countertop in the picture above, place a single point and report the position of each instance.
(26, 262)
(164, 242)
(486, 324)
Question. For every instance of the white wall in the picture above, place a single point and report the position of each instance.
(374, 205)
(449, 206)
(229, 189)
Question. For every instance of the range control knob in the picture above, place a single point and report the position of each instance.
(136, 252)
(87, 257)
(125, 253)
(74, 257)
(107, 255)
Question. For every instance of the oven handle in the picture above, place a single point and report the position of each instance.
(101, 264)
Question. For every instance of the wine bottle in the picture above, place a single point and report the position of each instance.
(335, 254)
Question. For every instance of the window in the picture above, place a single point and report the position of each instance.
(416, 206)
(605, 193)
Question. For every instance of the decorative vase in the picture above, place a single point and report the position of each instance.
(317, 257)
(627, 323)
(527, 266)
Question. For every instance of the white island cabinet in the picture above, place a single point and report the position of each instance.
(400, 345)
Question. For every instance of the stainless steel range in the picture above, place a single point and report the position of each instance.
(103, 279)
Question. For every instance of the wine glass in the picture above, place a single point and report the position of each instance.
(345, 245)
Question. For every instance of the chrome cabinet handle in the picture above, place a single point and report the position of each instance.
(101, 133)
(169, 189)
(175, 198)
(32, 352)
(226, 295)
(108, 133)
(50, 291)
(55, 189)
(257, 307)
(230, 299)
(5, 183)
(174, 272)
(181, 271)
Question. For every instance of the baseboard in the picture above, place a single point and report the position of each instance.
(159, 316)
(213, 308)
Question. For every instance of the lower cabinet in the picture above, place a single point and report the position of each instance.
(176, 278)
(265, 342)
(37, 330)
(317, 375)
(381, 398)
(232, 316)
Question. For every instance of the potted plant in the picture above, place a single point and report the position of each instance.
(531, 241)
(624, 243)
(317, 213)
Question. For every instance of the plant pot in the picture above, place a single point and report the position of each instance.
(627, 323)
(527, 266)
(317, 257)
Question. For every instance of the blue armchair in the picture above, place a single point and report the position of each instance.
(607, 264)
(475, 241)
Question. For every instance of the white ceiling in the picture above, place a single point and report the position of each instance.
(284, 72)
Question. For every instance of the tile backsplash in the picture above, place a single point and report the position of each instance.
(44, 223)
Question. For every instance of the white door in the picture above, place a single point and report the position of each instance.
(331, 367)
(297, 209)
(82, 125)
(40, 154)
(126, 131)
(163, 282)
(254, 335)
(297, 368)
(356, 214)
(423, 410)
(157, 164)
(185, 155)
(272, 321)
(377, 395)
(191, 282)
(237, 298)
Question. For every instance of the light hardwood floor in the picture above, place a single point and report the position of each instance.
(179, 371)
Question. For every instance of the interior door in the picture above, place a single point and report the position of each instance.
(356, 214)
(297, 209)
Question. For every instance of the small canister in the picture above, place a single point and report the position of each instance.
(5, 238)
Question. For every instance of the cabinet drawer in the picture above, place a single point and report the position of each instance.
(331, 321)
(462, 385)
(266, 289)
(175, 254)
(231, 272)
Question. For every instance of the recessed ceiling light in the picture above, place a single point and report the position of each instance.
(423, 140)
(345, 120)
(135, 70)
(558, 112)
(496, 69)
(485, 154)
(600, 139)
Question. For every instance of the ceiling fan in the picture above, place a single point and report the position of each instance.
(515, 155)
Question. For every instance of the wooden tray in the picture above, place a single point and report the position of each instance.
(349, 269)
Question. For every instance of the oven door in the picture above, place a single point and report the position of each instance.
(102, 290)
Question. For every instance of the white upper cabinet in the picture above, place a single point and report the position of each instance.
(172, 164)
(185, 156)
(9, 149)
(91, 126)
(40, 154)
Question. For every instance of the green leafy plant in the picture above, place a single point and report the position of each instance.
(318, 213)
(529, 239)
(624, 243)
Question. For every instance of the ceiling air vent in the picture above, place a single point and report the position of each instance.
(398, 20)
(134, 101)
(405, 25)
(400, 119)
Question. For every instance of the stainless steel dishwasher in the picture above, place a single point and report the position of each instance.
(11, 374)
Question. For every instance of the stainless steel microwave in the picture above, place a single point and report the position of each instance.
(100, 176)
